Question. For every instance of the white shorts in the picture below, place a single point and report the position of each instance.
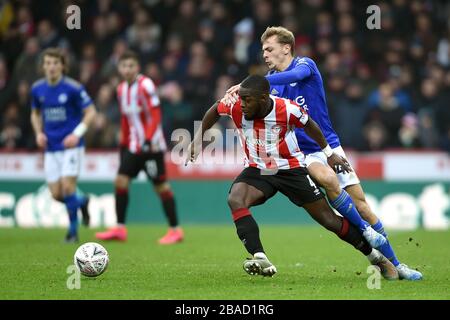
(345, 179)
(64, 163)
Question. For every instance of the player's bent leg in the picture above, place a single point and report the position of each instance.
(68, 185)
(326, 178)
(357, 194)
(56, 190)
(175, 233)
(322, 213)
(342, 202)
(118, 232)
(241, 197)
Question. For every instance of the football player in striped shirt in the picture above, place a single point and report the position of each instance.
(274, 162)
(142, 148)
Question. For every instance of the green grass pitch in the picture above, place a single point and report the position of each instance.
(312, 264)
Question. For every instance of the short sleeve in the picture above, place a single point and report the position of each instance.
(35, 103)
(150, 92)
(223, 109)
(82, 97)
(297, 115)
(305, 62)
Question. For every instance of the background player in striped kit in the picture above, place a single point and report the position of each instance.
(142, 148)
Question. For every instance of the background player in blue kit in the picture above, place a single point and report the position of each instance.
(299, 79)
(61, 113)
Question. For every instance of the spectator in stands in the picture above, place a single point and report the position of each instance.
(11, 135)
(4, 81)
(103, 132)
(349, 127)
(387, 114)
(177, 113)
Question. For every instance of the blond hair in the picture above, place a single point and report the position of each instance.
(284, 36)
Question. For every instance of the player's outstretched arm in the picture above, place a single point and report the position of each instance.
(36, 122)
(294, 75)
(334, 160)
(209, 119)
(73, 139)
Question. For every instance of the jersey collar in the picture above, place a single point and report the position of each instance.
(56, 83)
(293, 63)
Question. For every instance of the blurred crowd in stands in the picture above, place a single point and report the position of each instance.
(386, 89)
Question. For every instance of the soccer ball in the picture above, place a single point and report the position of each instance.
(91, 259)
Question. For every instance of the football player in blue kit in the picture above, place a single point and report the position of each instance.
(61, 113)
(298, 79)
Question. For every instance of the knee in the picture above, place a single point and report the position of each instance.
(329, 181)
(57, 195)
(162, 187)
(68, 188)
(235, 201)
(121, 182)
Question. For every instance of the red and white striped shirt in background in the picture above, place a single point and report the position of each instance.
(270, 143)
(140, 115)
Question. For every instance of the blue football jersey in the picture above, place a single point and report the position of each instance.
(310, 94)
(61, 107)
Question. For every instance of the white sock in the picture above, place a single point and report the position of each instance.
(374, 254)
(260, 255)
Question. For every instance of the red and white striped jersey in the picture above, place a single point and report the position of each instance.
(270, 143)
(140, 115)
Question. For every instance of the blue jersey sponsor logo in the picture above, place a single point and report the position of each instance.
(55, 114)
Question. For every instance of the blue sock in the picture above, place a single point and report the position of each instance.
(72, 205)
(345, 206)
(386, 249)
(81, 199)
